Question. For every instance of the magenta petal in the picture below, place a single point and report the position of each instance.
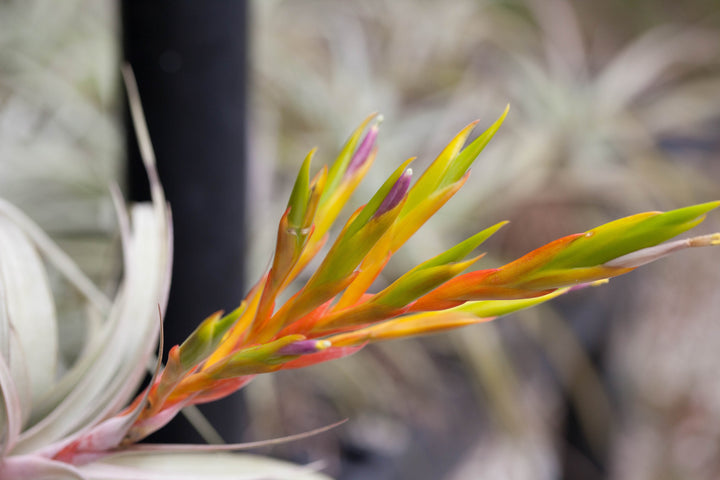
(363, 152)
(396, 193)
(303, 347)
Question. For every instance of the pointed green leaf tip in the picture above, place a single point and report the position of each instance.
(629, 234)
(467, 156)
(496, 308)
(207, 336)
(300, 194)
(462, 249)
(434, 272)
(417, 283)
(452, 163)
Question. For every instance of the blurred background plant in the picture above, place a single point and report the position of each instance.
(60, 145)
(615, 108)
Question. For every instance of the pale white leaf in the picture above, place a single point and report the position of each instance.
(64, 264)
(197, 466)
(92, 444)
(113, 377)
(30, 310)
(10, 410)
(32, 467)
(4, 325)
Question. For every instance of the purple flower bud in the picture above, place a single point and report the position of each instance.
(396, 193)
(363, 152)
(304, 347)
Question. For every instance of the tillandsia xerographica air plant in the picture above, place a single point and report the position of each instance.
(332, 315)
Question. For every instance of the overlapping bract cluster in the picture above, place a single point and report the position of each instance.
(333, 314)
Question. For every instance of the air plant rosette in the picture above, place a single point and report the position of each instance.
(334, 313)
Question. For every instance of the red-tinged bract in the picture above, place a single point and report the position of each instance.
(334, 314)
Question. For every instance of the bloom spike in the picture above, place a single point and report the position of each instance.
(334, 313)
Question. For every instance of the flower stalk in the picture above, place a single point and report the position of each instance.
(335, 313)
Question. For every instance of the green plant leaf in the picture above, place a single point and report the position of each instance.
(10, 410)
(467, 156)
(206, 337)
(462, 249)
(496, 308)
(628, 234)
(300, 194)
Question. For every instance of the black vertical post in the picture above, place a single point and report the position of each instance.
(190, 61)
